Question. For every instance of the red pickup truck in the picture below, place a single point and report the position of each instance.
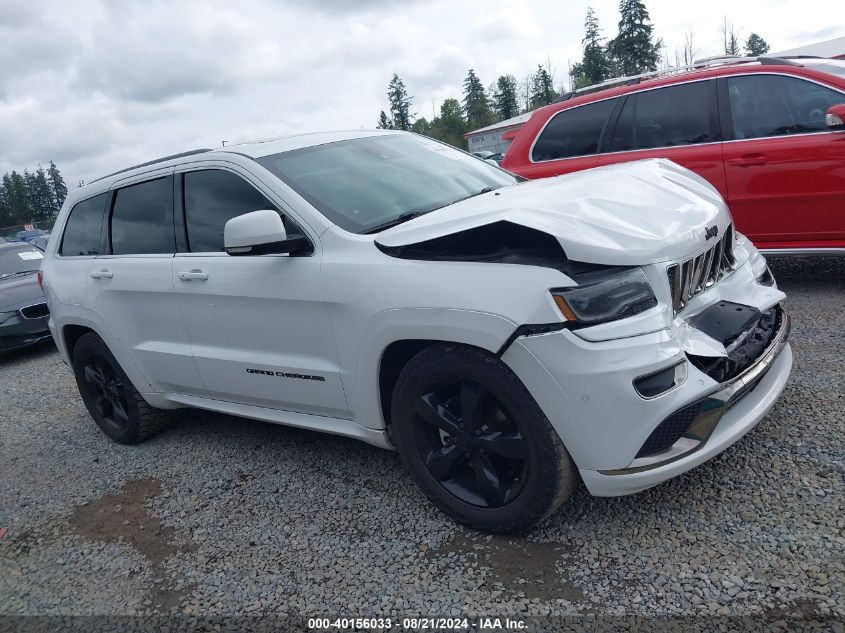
(768, 133)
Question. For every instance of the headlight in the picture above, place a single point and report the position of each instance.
(607, 297)
(5, 316)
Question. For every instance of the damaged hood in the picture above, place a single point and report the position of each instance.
(625, 214)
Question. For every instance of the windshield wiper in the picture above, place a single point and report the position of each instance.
(410, 215)
(415, 214)
(472, 195)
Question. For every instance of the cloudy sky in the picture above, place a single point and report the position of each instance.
(98, 85)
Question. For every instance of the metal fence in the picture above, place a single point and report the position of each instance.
(10, 233)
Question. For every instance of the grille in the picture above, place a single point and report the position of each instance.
(669, 431)
(35, 312)
(696, 274)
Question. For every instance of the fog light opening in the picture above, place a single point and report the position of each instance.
(661, 381)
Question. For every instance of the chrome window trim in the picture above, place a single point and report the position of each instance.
(810, 250)
(680, 83)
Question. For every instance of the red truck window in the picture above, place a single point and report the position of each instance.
(573, 132)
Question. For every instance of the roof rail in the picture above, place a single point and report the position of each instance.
(153, 162)
(699, 64)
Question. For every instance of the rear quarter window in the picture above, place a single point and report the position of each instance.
(573, 132)
(82, 230)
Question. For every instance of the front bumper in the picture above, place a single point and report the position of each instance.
(586, 390)
(20, 332)
(730, 424)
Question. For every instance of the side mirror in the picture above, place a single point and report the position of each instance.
(259, 233)
(835, 117)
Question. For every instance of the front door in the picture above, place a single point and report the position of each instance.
(259, 327)
(785, 169)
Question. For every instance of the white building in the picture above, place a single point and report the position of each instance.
(834, 48)
(497, 137)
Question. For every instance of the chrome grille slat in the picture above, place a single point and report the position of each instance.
(696, 274)
(708, 268)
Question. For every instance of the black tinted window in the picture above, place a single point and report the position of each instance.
(665, 117)
(772, 105)
(142, 218)
(574, 132)
(212, 198)
(82, 232)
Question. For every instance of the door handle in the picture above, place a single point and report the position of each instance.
(102, 274)
(748, 160)
(193, 274)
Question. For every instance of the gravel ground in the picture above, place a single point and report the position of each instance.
(224, 517)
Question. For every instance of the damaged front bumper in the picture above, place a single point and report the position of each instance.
(693, 425)
(624, 440)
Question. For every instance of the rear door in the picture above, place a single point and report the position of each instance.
(785, 169)
(679, 122)
(67, 275)
(259, 326)
(131, 286)
(569, 140)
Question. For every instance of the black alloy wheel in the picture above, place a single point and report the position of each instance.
(107, 392)
(110, 397)
(470, 443)
(476, 442)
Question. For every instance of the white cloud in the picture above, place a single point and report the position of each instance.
(97, 85)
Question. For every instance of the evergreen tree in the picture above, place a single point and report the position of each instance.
(505, 99)
(421, 126)
(450, 126)
(542, 89)
(41, 196)
(755, 46)
(384, 122)
(400, 104)
(20, 211)
(730, 38)
(5, 209)
(57, 186)
(595, 65)
(476, 107)
(634, 51)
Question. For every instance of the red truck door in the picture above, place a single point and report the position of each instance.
(785, 170)
(679, 122)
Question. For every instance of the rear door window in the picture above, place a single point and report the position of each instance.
(82, 231)
(212, 198)
(573, 132)
(142, 219)
(775, 105)
(666, 117)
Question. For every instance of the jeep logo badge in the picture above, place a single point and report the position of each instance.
(711, 231)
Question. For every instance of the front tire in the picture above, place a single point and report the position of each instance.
(476, 442)
(116, 406)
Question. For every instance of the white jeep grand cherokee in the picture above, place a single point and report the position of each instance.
(507, 337)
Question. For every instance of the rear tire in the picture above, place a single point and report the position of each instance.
(476, 442)
(110, 397)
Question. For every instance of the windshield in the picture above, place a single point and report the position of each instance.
(19, 259)
(367, 184)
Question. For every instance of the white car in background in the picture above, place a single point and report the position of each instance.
(508, 338)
